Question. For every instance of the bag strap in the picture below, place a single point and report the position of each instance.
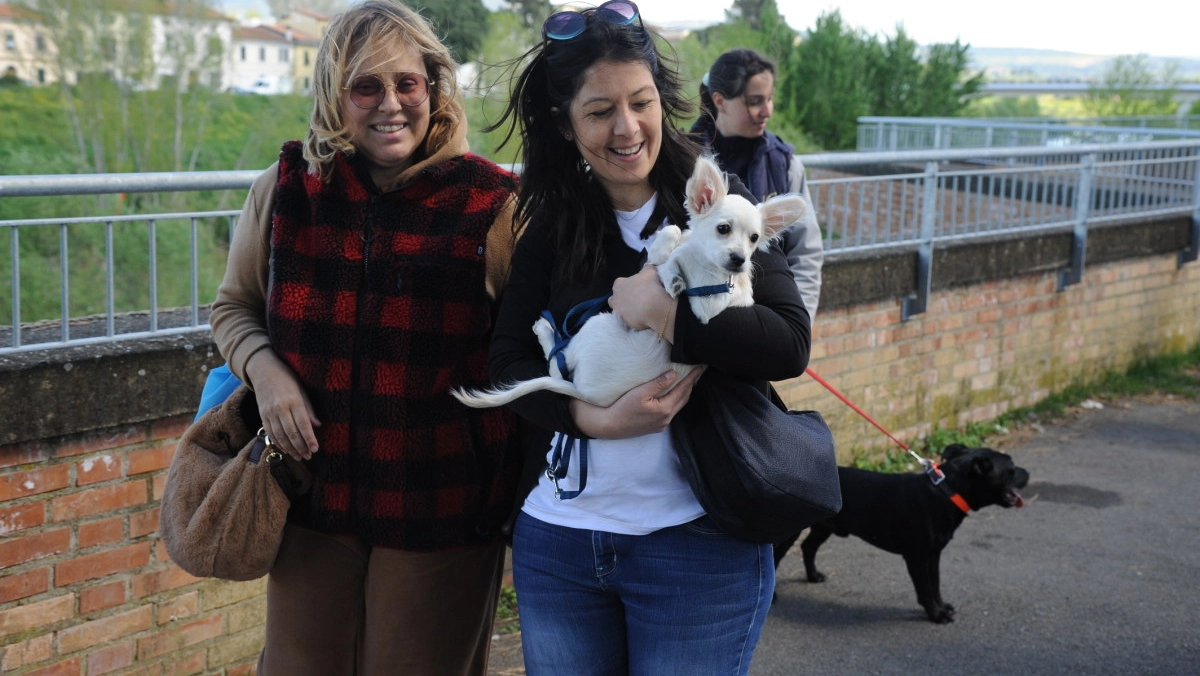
(564, 444)
(559, 461)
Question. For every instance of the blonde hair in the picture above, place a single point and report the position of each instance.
(354, 37)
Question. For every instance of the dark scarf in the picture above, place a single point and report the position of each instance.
(762, 163)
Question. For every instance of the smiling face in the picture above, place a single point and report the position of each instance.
(747, 115)
(389, 134)
(616, 123)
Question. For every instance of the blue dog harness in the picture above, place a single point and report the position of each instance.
(576, 317)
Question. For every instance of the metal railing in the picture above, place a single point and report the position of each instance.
(865, 202)
(1138, 121)
(876, 134)
(113, 260)
(994, 191)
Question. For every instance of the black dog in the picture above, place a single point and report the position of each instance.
(907, 514)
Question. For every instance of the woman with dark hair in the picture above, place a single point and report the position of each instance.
(616, 566)
(736, 100)
(361, 286)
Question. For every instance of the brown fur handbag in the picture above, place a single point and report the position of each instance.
(227, 494)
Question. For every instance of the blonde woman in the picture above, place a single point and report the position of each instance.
(361, 287)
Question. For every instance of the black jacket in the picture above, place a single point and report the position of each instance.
(766, 342)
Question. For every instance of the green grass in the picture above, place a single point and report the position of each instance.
(508, 620)
(1176, 374)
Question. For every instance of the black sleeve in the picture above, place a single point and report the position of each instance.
(514, 353)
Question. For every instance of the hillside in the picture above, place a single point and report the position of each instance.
(1049, 64)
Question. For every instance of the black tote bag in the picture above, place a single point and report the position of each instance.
(760, 471)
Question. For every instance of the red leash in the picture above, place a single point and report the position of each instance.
(858, 410)
(930, 466)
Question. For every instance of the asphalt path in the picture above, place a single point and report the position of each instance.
(1098, 574)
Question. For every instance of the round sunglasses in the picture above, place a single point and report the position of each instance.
(569, 24)
(412, 89)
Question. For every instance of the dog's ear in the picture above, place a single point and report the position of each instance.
(706, 187)
(953, 451)
(982, 465)
(779, 213)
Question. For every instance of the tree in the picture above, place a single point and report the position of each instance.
(1005, 106)
(750, 11)
(945, 89)
(531, 12)
(461, 24)
(1131, 87)
(825, 82)
(895, 72)
(838, 74)
(136, 77)
(907, 87)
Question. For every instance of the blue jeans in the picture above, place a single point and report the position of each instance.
(686, 600)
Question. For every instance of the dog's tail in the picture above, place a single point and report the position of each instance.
(500, 396)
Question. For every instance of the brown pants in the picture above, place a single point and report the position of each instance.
(338, 607)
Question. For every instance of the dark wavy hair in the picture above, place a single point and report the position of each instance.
(728, 75)
(557, 186)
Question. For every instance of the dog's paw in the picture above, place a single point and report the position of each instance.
(943, 614)
(676, 287)
(816, 576)
(664, 243)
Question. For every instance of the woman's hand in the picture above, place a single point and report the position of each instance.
(642, 303)
(646, 409)
(287, 415)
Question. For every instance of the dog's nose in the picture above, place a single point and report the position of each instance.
(736, 261)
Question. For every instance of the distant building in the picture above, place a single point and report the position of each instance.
(166, 43)
(262, 60)
(304, 61)
(306, 21)
(27, 53)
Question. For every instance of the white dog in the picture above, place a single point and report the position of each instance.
(710, 262)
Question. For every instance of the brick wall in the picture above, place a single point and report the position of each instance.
(86, 434)
(87, 587)
(982, 349)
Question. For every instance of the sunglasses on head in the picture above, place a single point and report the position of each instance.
(368, 91)
(569, 24)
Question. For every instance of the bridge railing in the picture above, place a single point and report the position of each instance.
(155, 273)
(877, 134)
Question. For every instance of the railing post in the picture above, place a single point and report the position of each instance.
(14, 242)
(918, 302)
(1083, 205)
(1193, 248)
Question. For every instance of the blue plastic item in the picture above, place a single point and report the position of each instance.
(217, 387)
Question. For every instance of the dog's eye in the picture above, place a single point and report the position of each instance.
(754, 239)
(723, 229)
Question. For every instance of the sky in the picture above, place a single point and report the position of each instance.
(1166, 28)
(1169, 28)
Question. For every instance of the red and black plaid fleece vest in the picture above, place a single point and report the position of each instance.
(378, 303)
